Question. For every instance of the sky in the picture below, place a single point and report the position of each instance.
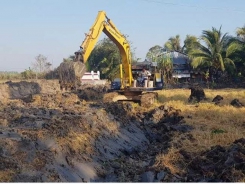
(56, 28)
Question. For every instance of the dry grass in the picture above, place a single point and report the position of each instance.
(77, 142)
(39, 163)
(6, 175)
(242, 180)
(13, 80)
(4, 122)
(183, 94)
(213, 125)
(170, 161)
(83, 142)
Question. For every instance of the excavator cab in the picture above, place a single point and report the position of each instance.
(155, 79)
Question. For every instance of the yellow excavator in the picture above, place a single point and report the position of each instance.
(70, 73)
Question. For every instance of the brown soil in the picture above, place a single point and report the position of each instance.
(59, 136)
(197, 94)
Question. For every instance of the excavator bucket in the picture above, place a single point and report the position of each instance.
(70, 74)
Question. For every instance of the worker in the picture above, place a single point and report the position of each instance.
(145, 74)
(144, 77)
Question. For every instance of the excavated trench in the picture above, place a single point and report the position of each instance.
(65, 137)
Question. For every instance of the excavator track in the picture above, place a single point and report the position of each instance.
(144, 99)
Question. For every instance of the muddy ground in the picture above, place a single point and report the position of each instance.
(48, 135)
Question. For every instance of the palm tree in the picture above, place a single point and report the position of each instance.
(190, 43)
(241, 54)
(217, 51)
(173, 44)
(241, 33)
(165, 64)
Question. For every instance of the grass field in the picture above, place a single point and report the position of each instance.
(213, 124)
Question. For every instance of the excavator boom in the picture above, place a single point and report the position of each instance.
(102, 24)
(128, 89)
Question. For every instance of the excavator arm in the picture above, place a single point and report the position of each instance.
(104, 24)
(68, 71)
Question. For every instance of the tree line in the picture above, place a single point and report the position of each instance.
(41, 68)
(214, 53)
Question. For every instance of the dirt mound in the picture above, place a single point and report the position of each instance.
(219, 164)
(57, 134)
(217, 99)
(70, 74)
(74, 137)
(18, 90)
(92, 92)
(48, 86)
(108, 97)
(24, 90)
(120, 111)
(58, 137)
(147, 99)
(236, 103)
(197, 93)
(159, 125)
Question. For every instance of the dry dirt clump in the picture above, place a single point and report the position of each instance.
(48, 86)
(57, 137)
(92, 92)
(74, 137)
(197, 93)
(236, 103)
(24, 90)
(219, 164)
(108, 97)
(4, 93)
(217, 99)
(159, 125)
(70, 74)
(58, 100)
(8, 167)
(147, 99)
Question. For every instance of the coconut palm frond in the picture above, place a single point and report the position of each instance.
(200, 53)
(233, 48)
(198, 61)
(230, 62)
(220, 61)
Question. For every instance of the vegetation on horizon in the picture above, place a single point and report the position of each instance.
(211, 53)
